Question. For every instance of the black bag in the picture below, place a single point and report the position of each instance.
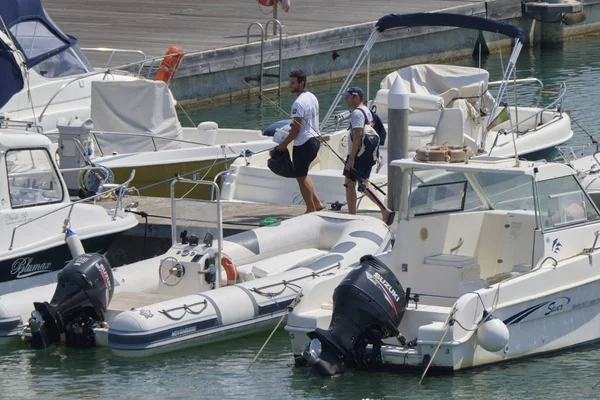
(281, 163)
(379, 128)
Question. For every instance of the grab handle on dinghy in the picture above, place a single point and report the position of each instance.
(186, 309)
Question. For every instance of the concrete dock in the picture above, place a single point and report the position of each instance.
(152, 236)
(322, 38)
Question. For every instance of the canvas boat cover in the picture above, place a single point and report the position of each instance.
(456, 85)
(139, 106)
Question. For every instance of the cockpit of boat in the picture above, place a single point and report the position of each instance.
(475, 224)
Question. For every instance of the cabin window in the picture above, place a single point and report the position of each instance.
(442, 192)
(438, 198)
(32, 178)
(563, 203)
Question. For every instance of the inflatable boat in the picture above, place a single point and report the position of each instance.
(137, 311)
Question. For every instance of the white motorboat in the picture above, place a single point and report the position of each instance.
(58, 76)
(444, 100)
(50, 82)
(494, 261)
(181, 299)
(37, 216)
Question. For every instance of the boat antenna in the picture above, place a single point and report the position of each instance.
(22, 64)
(516, 128)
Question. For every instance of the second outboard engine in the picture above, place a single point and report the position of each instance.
(83, 291)
(368, 306)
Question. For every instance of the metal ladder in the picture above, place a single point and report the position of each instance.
(277, 64)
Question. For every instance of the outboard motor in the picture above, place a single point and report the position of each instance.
(83, 291)
(368, 306)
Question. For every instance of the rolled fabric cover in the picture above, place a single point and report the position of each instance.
(281, 163)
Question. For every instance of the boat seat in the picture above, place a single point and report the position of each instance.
(278, 264)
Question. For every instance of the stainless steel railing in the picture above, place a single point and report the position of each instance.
(120, 189)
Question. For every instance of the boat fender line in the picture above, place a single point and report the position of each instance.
(230, 269)
(169, 65)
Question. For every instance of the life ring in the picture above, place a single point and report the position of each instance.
(169, 65)
(266, 3)
(230, 269)
(448, 154)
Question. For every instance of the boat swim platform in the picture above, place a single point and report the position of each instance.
(153, 237)
(322, 38)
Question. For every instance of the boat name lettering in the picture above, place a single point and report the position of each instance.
(183, 331)
(24, 267)
(586, 303)
(557, 305)
(15, 218)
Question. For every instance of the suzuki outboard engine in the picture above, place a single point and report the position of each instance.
(368, 306)
(83, 291)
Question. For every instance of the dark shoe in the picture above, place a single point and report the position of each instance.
(390, 219)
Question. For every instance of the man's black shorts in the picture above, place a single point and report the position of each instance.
(360, 170)
(303, 155)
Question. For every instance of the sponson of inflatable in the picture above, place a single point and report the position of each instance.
(274, 264)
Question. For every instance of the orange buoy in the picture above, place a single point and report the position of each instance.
(168, 66)
(230, 269)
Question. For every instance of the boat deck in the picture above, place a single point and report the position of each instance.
(123, 301)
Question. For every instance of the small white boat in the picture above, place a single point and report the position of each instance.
(445, 101)
(495, 260)
(37, 216)
(49, 83)
(181, 299)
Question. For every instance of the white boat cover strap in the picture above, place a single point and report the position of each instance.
(139, 106)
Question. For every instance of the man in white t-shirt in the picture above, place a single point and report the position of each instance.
(359, 163)
(305, 134)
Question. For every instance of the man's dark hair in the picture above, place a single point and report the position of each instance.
(299, 75)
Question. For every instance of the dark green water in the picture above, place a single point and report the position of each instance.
(219, 371)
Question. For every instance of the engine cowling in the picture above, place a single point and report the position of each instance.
(83, 291)
(368, 306)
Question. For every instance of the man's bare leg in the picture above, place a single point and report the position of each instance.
(351, 196)
(304, 183)
(318, 205)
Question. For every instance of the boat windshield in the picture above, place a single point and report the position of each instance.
(32, 178)
(194, 218)
(36, 39)
(563, 203)
(435, 192)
